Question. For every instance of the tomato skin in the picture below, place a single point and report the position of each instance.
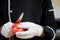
(20, 30)
(16, 29)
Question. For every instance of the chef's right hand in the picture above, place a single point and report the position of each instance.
(6, 30)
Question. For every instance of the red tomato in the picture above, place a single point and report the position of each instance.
(20, 30)
(16, 29)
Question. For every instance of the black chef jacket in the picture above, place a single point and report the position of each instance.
(37, 11)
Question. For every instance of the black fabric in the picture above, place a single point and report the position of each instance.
(32, 10)
(36, 11)
(3, 12)
(49, 31)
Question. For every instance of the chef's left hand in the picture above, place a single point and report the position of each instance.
(33, 30)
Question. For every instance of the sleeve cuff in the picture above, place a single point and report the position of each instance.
(49, 32)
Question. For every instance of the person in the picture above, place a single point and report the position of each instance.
(38, 19)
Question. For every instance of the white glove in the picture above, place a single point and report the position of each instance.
(33, 30)
(6, 29)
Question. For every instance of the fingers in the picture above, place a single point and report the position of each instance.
(23, 33)
(23, 25)
(6, 29)
(25, 36)
(6, 33)
(26, 25)
(9, 34)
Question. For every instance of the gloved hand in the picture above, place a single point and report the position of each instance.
(6, 29)
(33, 30)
